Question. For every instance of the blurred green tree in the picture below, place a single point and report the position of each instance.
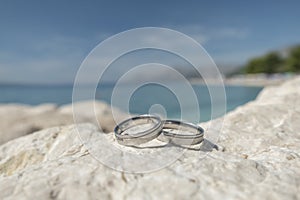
(293, 60)
(269, 64)
(273, 62)
(255, 65)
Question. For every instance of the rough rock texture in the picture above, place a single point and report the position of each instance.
(19, 120)
(258, 158)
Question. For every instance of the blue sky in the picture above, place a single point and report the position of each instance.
(46, 41)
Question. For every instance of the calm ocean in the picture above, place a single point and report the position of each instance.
(140, 102)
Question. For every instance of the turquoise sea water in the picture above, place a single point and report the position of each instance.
(139, 103)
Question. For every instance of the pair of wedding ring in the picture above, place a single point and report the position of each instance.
(128, 132)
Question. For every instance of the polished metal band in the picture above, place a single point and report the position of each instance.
(181, 139)
(141, 136)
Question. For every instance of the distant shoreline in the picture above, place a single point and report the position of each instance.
(259, 80)
(249, 80)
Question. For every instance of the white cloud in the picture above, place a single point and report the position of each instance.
(197, 32)
(145, 38)
(53, 60)
(230, 33)
(56, 59)
(204, 34)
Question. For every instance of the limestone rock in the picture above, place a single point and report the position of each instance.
(102, 114)
(258, 158)
(19, 120)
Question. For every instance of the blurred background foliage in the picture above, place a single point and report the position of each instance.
(275, 62)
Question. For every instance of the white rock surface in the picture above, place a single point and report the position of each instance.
(101, 110)
(259, 158)
(19, 120)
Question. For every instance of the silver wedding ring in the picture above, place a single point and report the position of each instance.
(124, 131)
(130, 132)
(194, 136)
